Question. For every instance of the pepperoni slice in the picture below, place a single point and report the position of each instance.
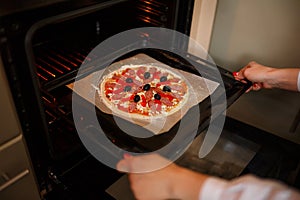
(137, 82)
(177, 96)
(158, 107)
(175, 80)
(122, 82)
(131, 72)
(131, 98)
(151, 102)
(166, 101)
(166, 95)
(164, 74)
(155, 105)
(153, 108)
(132, 106)
(125, 71)
(125, 99)
(179, 88)
(149, 80)
(110, 85)
(117, 96)
(152, 70)
(118, 90)
(140, 72)
(165, 83)
(149, 95)
(156, 75)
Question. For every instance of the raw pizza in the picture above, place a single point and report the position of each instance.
(144, 91)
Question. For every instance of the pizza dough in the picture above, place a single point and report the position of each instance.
(144, 91)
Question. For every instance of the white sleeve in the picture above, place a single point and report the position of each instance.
(298, 83)
(246, 188)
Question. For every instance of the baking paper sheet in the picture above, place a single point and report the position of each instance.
(199, 87)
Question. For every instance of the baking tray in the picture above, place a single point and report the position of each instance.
(234, 89)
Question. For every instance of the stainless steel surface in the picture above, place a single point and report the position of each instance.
(9, 125)
(227, 159)
(21, 189)
(13, 180)
(16, 177)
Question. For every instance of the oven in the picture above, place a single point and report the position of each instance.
(43, 46)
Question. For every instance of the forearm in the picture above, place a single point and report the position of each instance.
(284, 78)
(187, 184)
(154, 177)
(268, 77)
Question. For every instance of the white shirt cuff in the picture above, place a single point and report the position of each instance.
(212, 189)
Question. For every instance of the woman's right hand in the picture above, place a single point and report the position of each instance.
(256, 73)
(154, 177)
(268, 77)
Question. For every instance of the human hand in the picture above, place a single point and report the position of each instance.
(256, 73)
(154, 177)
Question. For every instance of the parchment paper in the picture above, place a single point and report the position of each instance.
(199, 89)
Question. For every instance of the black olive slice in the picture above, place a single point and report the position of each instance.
(147, 75)
(146, 87)
(129, 80)
(157, 96)
(163, 79)
(136, 98)
(127, 88)
(166, 88)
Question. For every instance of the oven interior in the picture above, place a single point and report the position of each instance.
(57, 46)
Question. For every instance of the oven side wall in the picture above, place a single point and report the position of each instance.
(267, 32)
(17, 179)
